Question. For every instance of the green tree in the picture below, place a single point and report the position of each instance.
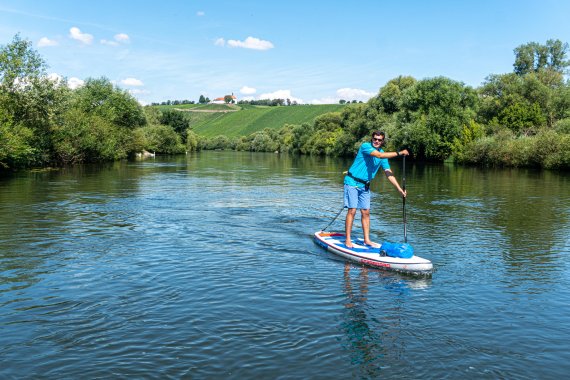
(434, 112)
(192, 141)
(177, 120)
(202, 99)
(532, 57)
(100, 97)
(389, 99)
(161, 139)
(29, 104)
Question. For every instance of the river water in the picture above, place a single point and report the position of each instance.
(203, 266)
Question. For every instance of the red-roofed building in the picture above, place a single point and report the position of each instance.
(222, 100)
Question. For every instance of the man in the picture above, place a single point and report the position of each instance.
(369, 159)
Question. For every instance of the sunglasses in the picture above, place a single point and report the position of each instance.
(377, 139)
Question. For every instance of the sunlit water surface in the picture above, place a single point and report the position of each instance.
(203, 266)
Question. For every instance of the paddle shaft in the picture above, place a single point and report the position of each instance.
(404, 199)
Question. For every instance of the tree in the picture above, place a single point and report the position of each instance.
(29, 104)
(228, 99)
(100, 97)
(202, 99)
(176, 120)
(433, 114)
(389, 98)
(532, 57)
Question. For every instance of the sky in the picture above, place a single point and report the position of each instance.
(309, 51)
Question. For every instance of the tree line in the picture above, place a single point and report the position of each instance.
(520, 118)
(517, 119)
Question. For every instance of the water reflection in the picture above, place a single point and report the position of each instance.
(372, 331)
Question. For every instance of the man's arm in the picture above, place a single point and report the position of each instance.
(394, 181)
(378, 154)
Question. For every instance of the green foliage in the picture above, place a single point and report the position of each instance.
(471, 132)
(176, 119)
(192, 141)
(99, 97)
(20, 64)
(521, 117)
(562, 126)
(29, 104)
(389, 99)
(433, 114)
(86, 137)
(532, 57)
(15, 148)
(547, 149)
(160, 139)
(220, 142)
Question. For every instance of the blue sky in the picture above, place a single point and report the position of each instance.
(309, 51)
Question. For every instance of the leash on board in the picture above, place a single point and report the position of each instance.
(332, 221)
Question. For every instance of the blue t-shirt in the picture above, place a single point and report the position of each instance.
(365, 166)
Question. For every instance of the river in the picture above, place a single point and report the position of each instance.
(203, 266)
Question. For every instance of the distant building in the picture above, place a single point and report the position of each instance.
(222, 100)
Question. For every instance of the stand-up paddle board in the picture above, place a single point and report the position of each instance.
(370, 255)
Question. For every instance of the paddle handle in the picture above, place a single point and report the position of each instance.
(404, 200)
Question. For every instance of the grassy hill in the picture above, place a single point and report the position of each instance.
(241, 120)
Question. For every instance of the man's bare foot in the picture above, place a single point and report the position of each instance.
(372, 244)
(348, 244)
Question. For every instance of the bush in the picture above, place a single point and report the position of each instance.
(15, 150)
(548, 149)
(192, 141)
(220, 142)
(87, 138)
(161, 139)
(562, 126)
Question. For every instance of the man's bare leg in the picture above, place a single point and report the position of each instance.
(348, 226)
(366, 225)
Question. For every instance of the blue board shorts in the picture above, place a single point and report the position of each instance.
(356, 197)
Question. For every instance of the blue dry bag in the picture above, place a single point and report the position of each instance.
(402, 250)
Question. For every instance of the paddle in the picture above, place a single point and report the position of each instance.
(404, 199)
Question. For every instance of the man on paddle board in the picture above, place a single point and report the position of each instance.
(369, 159)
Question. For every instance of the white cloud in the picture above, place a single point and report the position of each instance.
(327, 100)
(76, 34)
(247, 90)
(354, 94)
(122, 37)
(74, 83)
(220, 42)
(55, 77)
(348, 94)
(200, 13)
(132, 82)
(110, 43)
(138, 91)
(251, 43)
(44, 41)
(281, 94)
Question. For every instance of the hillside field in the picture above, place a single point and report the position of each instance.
(241, 120)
